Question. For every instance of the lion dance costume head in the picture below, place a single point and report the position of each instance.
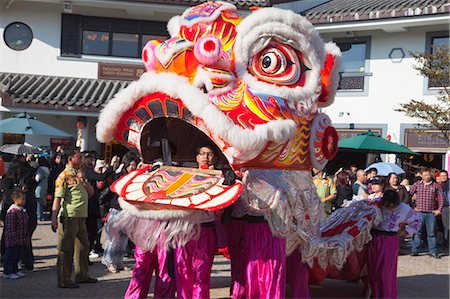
(252, 87)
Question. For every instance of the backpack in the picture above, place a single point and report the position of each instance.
(355, 189)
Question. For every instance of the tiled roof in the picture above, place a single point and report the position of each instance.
(51, 92)
(238, 3)
(353, 10)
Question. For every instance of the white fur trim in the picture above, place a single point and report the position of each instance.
(199, 105)
(147, 232)
(158, 214)
(289, 28)
(173, 26)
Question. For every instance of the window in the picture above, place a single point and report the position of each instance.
(354, 67)
(107, 36)
(434, 40)
(95, 42)
(18, 36)
(125, 44)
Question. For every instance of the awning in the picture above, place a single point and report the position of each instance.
(57, 93)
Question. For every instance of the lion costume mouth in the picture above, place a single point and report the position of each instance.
(162, 107)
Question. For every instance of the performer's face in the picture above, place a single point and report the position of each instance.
(205, 156)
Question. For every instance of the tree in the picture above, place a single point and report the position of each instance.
(435, 66)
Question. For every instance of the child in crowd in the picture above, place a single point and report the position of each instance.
(16, 230)
(399, 219)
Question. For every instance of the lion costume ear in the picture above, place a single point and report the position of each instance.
(330, 74)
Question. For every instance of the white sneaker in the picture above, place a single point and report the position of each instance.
(20, 274)
(11, 276)
(112, 268)
(93, 255)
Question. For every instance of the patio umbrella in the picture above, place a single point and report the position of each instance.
(24, 123)
(18, 149)
(385, 168)
(373, 143)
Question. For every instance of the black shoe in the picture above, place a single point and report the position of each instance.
(69, 286)
(89, 280)
(414, 254)
(435, 256)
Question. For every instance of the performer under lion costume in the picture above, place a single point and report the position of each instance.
(253, 88)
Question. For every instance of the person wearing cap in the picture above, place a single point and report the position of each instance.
(377, 184)
(370, 174)
(100, 166)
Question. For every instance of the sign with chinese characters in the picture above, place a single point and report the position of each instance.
(112, 71)
(348, 133)
(426, 140)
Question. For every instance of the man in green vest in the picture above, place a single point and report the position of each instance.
(326, 189)
(69, 213)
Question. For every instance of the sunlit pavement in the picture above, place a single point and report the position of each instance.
(418, 277)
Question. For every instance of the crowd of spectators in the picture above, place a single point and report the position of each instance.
(72, 189)
(44, 180)
(427, 193)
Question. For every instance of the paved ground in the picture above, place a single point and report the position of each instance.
(418, 277)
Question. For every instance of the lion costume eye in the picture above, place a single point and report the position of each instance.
(279, 64)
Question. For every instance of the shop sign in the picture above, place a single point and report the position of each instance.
(349, 133)
(112, 71)
(426, 140)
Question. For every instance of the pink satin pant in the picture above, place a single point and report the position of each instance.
(236, 229)
(193, 264)
(146, 262)
(382, 257)
(298, 276)
(266, 263)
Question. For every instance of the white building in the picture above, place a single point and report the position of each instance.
(65, 59)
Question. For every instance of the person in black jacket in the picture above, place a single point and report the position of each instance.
(343, 189)
(116, 249)
(393, 183)
(93, 224)
(20, 176)
(57, 164)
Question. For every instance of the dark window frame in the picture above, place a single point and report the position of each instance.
(110, 25)
(428, 43)
(367, 40)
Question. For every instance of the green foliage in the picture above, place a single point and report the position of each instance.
(435, 66)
